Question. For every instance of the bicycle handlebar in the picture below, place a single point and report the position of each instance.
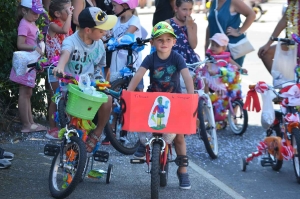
(139, 42)
(295, 39)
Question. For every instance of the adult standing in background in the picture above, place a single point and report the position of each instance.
(164, 9)
(79, 5)
(229, 12)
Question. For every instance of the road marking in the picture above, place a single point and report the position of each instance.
(215, 181)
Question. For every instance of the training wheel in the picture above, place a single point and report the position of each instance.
(109, 173)
(243, 164)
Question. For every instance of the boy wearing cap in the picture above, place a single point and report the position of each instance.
(82, 52)
(218, 46)
(165, 67)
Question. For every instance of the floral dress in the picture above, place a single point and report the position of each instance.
(53, 44)
(182, 45)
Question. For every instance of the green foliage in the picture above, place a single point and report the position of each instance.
(8, 44)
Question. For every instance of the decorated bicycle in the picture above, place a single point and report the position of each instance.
(226, 96)
(77, 101)
(282, 134)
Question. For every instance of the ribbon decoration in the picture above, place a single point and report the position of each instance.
(252, 98)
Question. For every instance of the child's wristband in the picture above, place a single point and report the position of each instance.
(34, 47)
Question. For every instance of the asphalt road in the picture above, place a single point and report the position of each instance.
(220, 178)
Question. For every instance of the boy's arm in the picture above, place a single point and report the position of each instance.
(188, 81)
(63, 60)
(136, 78)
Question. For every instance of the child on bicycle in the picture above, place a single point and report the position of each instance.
(218, 46)
(169, 63)
(84, 50)
(28, 12)
(127, 23)
(60, 12)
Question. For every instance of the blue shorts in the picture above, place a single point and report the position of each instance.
(140, 86)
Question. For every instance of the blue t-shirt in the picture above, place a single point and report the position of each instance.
(164, 74)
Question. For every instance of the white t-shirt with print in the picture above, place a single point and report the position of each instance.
(84, 58)
(119, 58)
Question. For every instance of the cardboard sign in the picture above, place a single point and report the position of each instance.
(159, 112)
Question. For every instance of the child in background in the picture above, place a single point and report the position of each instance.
(169, 63)
(218, 46)
(60, 12)
(84, 50)
(127, 23)
(28, 12)
(186, 30)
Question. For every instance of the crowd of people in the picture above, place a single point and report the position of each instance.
(77, 30)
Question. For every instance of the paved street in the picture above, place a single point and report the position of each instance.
(220, 178)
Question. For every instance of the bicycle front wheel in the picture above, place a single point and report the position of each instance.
(155, 168)
(238, 119)
(207, 128)
(295, 144)
(67, 168)
(123, 141)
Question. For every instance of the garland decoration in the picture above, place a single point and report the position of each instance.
(292, 14)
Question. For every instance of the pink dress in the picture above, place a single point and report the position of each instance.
(30, 31)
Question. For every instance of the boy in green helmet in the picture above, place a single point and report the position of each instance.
(165, 67)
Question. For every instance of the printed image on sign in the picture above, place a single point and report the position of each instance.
(160, 112)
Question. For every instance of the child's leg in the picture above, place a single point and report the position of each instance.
(180, 148)
(52, 107)
(103, 116)
(24, 107)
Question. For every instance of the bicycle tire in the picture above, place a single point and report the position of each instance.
(277, 164)
(130, 145)
(164, 178)
(62, 113)
(56, 181)
(155, 168)
(203, 132)
(244, 116)
(296, 145)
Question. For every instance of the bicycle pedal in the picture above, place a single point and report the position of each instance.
(51, 149)
(101, 156)
(137, 161)
(266, 162)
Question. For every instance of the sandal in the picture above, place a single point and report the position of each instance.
(91, 141)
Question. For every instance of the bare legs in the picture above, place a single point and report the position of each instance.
(180, 148)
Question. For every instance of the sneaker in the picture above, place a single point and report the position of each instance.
(184, 181)
(52, 134)
(4, 163)
(105, 141)
(8, 155)
(140, 152)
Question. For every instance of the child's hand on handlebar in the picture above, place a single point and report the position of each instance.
(243, 71)
(57, 70)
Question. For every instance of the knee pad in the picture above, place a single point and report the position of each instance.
(182, 161)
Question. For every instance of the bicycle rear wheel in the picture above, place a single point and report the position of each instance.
(207, 128)
(66, 173)
(238, 121)
(155, 168)
(275, 131)
(123, 141)
(296, 147)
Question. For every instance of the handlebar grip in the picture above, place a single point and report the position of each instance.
(31, 65)
(284, 40)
